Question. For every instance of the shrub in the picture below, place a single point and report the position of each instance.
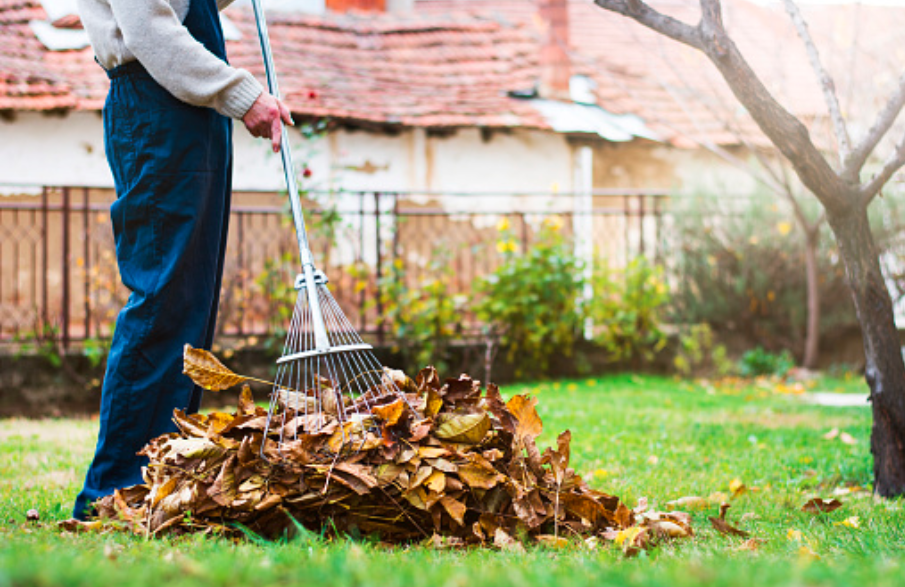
(531, 300)
(627, 309)
(757, 362)
(697, 352)
(422, 320)
(738, 265)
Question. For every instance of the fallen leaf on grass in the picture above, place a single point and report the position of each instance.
(750, 544)
(847, 438)
(851, 522)
(737, 488)
(691, 502)
(723, 527)
(817, 505)
(831, 434)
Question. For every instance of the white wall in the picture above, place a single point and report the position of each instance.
(38, 149)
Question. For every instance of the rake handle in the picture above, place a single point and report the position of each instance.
(285, 150)
(322, 341)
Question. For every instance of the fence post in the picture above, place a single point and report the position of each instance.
(641, 224)
(243, 274)
(379, 252)
(44, 256)
(64, 259)
(86, 263)
(362, 314)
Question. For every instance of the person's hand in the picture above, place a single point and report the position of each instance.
(264, 118)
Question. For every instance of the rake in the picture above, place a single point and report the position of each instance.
(327, 375)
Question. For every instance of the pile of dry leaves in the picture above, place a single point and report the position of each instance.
(450, 462)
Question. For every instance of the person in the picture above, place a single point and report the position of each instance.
(168, 140)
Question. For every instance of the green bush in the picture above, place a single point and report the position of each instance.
(698, 353)
(422, 320)
(738, 265)
(758, 361)
(627, 309)
(531, 301)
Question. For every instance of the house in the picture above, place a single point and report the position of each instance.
(460, 109)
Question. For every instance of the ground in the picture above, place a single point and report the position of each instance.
(634, 436)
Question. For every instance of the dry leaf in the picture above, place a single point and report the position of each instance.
(207, 371)
(847, 438)
(722, 526)
(529, 423)
(466, 428)
(831, 434)
(851, 522)
(691, 502)
(817, 505)
(390, 413)
(750, 544)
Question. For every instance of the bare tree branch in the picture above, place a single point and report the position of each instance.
(886, 118)
(663, 24)
(783, 129)
(895, 161)
(826, 82)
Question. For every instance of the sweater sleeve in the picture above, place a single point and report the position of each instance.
(152, 32)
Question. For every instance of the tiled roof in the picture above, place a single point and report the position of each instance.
(27, 81)
(385, 69)
(412, 70)
(680, 94)
(452, 62)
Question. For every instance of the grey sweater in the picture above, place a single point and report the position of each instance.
(152, 32)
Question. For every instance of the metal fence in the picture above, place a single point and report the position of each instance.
(58, 272)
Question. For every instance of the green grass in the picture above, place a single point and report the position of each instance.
(633, 436)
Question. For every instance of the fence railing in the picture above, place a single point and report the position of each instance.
(58, 273)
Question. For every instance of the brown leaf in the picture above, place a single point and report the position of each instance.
(503, 541)
(722, 526)
(461, 391)
(223, 490)
(455, 508)
(529, 423)
(750, 544)
(394, 378)
(559, 459)
(246, 406)
(207, 371)
(390, 413)
(427, 379)
(465, 428)
(497, 407)
(817, 505)
(479, 477)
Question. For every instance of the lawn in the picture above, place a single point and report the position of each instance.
(633, 436)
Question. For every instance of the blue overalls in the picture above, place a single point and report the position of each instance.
(172, 166)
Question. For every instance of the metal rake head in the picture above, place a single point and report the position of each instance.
(328, 379)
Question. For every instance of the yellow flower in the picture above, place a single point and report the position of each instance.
(503, 224)
(784, 228)
(793, 534)
(505, 246)
(554, 223)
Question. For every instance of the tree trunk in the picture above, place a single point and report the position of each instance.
(812, 339)
(884, 368)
